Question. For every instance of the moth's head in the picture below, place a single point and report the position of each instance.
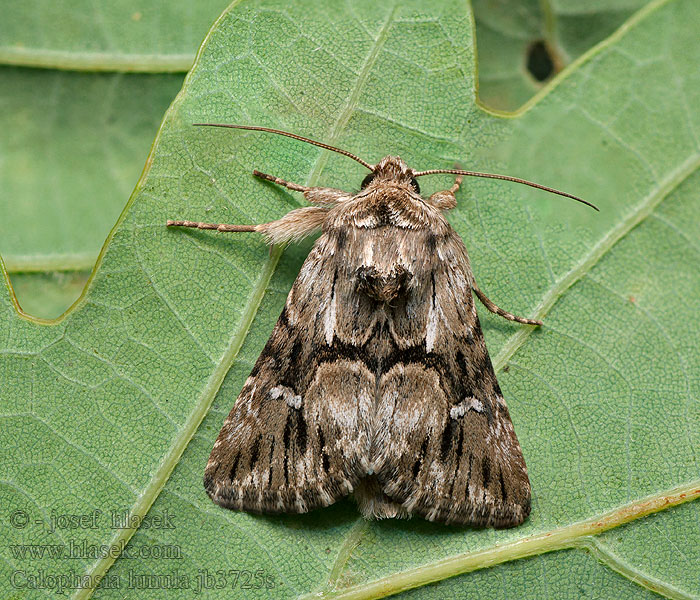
(391, 169)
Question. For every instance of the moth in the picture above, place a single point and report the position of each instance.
(376, 380)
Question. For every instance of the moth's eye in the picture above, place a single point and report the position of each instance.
(415, 186)
(367, 180)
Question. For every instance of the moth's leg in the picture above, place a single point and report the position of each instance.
(457, 183)
(445, 199)
(315, 195)
(499, 311)
(294, 226)
(288, 184)
(217, 226)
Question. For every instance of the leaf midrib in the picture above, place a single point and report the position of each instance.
(101, 62)
(41, 263)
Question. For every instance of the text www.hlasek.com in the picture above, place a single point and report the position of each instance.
(83, 549)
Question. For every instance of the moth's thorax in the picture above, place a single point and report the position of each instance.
(389, 205)
(389, 198)
(389, 238)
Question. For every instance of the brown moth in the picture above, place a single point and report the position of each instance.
(376, 380)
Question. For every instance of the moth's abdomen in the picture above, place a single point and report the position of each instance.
(383, 287)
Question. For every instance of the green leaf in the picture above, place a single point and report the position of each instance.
(58, 110)
(506, 31)
(115, 407)
(577, 26)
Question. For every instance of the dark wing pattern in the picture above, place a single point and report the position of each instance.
(444, 446)
(298, 436)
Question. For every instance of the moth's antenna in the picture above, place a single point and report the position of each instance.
(291, 135)
(505, 178)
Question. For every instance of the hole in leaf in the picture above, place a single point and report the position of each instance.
(539, 61)
(48, 295)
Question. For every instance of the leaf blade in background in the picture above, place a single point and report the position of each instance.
(74, 146)
(123, 35)
(523, 45)
(47, 295)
